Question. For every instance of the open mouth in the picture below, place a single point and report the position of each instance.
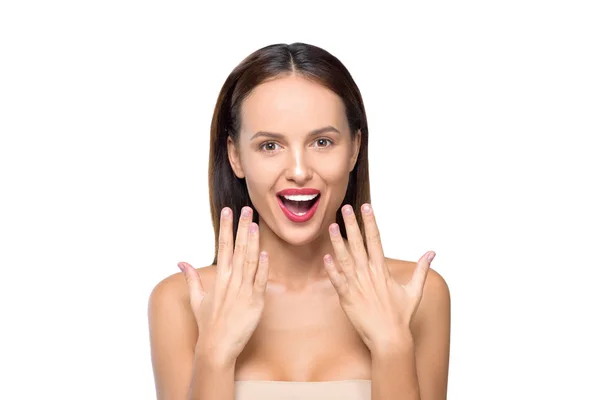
(299, 204)
(299, 207)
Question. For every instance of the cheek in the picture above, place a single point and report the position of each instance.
(259, 178)
(335, 171)
(337, 176)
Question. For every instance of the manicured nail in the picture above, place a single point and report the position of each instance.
(347, 210)
(181, 267)
(263, 256)
(366, 208)
(253, 227)
(225, 212)
(245, 212)
(328, 259)
(431, 256)
(335, 229)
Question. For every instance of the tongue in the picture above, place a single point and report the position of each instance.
(298, 207)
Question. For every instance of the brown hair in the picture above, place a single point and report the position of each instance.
(269, 62)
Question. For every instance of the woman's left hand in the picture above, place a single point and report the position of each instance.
(379, 307)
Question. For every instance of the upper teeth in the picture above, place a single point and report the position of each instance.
(300, 197)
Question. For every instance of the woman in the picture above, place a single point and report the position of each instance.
(303, 302)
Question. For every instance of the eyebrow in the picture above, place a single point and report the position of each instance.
(314, 132)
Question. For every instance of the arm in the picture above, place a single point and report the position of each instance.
(181, 371)
(393, 371)
(416, 366)
(211, 380)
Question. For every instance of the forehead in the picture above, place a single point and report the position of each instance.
(292, 104)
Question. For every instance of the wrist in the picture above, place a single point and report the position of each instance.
(398, 344)
(213, 357)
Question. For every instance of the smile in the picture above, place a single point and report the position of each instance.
(299, 205)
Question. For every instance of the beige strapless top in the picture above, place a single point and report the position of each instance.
(357, 389)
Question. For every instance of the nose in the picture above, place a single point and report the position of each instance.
(298, 169)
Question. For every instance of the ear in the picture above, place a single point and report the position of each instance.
(234, 158)
(355, 149)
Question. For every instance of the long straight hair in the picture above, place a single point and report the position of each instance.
(273, 61)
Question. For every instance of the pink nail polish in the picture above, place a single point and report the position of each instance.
(263, 256)
(335, 229)
(347, 210)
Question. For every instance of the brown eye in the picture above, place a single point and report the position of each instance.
(323, 142)
(268, 146)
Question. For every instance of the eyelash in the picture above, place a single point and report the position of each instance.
(262, 146)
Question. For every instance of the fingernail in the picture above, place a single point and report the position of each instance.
(431, 256)
(245, 212)
(253, 228)
(181, 267)
(335, 229)
(347, 210)
(225, 212)
(328, 259)
(366, 208)
(263, 256)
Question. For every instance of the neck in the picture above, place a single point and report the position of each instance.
(295, 267)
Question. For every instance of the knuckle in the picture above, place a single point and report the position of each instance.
(344, 260)
(357, 242)
(374, 238)
(251, 262)
(259, 281)
(224, 245)
(241, 247)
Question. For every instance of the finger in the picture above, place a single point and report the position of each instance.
(355, 240)
(251, 262)
(343, 257)
(338, 280)
(194, 283)
(224, 254)
(225, 250)
(262, 275)
(240, 247)
(373, 240)
(419, 275)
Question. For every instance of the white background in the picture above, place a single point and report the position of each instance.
(482, 120)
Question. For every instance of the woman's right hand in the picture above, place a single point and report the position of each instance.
(228, 315)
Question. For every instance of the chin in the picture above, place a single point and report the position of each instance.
(298, 238)
(298, 216)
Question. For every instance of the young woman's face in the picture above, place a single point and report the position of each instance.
(294, 135)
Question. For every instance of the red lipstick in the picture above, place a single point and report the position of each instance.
(298, 204)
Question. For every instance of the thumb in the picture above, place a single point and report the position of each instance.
(419, 276)
(194, 283)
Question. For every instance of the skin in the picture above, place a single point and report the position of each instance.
(293, 106)
(320, 321)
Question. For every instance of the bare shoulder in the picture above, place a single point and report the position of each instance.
(402, 271)
(430, 328)
(171, 297)
(175, 285)
(436, 293)
(173, 332)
